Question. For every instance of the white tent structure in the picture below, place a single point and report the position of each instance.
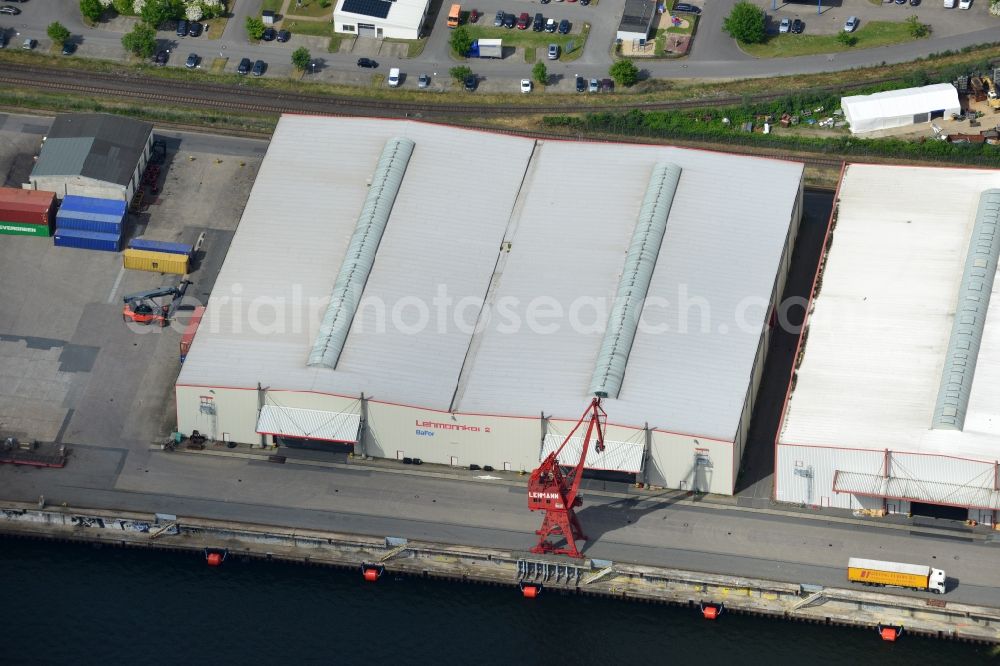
(898, 108)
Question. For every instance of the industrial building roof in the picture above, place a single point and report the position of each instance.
(94, 145)
(879, 333)
(504, 219)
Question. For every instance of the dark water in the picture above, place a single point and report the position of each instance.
(69, 603)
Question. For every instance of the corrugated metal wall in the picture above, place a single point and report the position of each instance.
(675, 461)
(804, 474)
(691, 463)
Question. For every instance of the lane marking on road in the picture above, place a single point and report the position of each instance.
(118, 281)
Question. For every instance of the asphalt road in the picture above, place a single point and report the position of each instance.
(800, 548)
(713, 56)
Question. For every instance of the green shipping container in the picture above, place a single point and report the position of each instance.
(22, 229)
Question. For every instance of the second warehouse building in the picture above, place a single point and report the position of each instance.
(401, 289)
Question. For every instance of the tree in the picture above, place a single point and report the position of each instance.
(461, 41)
(460, 73)
(122, 6)
(91, 9)
(158, 12)
(301, 58)
(57, 33)
(624, 72)
(255, 27)
(916, 28)
(540, 73)
(141, 41)
(745, 23)
(846, 38)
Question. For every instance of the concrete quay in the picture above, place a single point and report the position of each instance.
(934, 617)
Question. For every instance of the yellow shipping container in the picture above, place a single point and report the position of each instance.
(156, 262)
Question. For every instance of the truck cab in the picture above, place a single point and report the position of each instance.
(937, 581)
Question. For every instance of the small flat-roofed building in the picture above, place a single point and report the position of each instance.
(380, 19)
(637, 20)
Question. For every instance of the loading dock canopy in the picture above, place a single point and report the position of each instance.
(309, 424)
(933, 492)
(617, 456)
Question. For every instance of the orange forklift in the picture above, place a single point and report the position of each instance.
(143, 308)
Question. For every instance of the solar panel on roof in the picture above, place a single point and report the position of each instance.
(375, 8)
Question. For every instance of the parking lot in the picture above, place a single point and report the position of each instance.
(71, 371)
(945, 22)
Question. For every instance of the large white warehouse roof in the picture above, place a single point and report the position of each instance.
(878, 336)
(539, 231)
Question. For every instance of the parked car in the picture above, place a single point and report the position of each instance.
(182, 28)
(595, 86)
(284, 36)
(545, 2)
(498, 21)
(192, 61)
(258, 68)
(607, 85)
(798, 26)
(523, 21)
(270, 34)
(526, 85)
(900, 2)
(161, 57)
(539, 23)
(68, 48)
(509, 20)
(393, 79)
(553, 52)
(851, 24)
(367, 63)
(474, 16)
(7, 9)
(914, 3)
(244, 66)
(964, 4)
(685, 8)
(584, 3)
(470, 82)
(785, 25)
(581, 84)
(564, 27)
(423, 81)
(551, 25)
(195, 29)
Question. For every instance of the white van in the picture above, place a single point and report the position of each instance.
(394, 77)
(948, 4)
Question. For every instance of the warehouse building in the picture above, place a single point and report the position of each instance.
(893, 406)
(381, 19)
(900, 108)
(402, 304)
(93, 155)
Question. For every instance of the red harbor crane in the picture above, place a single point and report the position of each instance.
(556, 492)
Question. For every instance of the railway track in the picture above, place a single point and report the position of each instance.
(265, 101)
(253, 99)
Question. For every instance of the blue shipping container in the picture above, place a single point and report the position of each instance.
(73, 202)
(102, 224)
(104, 216)
(87, 240)
(160, 246)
